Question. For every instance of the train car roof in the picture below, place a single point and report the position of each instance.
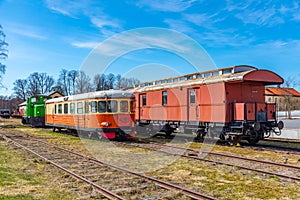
(239, 73)
(94, 95)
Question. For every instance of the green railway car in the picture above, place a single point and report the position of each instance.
(35, 110)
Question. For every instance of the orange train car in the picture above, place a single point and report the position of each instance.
(226, 103)
(104, 113)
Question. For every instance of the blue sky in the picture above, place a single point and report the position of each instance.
(46, 36)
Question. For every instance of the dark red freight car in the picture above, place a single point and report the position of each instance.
(226, 103)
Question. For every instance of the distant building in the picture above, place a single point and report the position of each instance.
(54, 94)
(286, 98)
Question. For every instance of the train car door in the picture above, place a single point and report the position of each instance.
(141, 102)
(192, 105)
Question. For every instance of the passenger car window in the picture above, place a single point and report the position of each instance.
(72, 108)
(66, 110)
(144, 100)
(123, 106)
(79, 108)
(112, 106)
(101, 106)
(59, 108)
(192, 96)
(164, 98)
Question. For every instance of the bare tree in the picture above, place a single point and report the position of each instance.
(33, 84)
(66, 82)
(110, 80)
(127, 83)
(62, 82)
(290, 82)
(39, 83)
(20, 86)
(3, 54)
(46, 83)
(72, 75)
(83, 83)
(99, 82)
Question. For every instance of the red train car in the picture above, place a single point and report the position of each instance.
(104, 113)
(228, 103)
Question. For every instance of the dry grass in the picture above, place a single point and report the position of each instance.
(28, 178)
(220, 181)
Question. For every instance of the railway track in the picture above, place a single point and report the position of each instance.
(108, 180)
(274, 147)
(286, 171)
(270, 145)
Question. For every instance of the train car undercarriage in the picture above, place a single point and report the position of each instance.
(232, 133)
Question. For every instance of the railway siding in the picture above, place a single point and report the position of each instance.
(111, 181)
(221, 181)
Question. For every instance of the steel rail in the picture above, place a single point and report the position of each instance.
(223, 163)
(102, 190)
(163, 184)
(233, 156)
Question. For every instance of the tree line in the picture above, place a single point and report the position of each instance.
(69, 82)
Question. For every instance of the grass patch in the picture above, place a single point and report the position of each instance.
(28, 178)
(220, 181)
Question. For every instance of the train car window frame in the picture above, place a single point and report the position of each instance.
(199, 76)
(217, 73)
(190, 77)
(93, 106)
(72, 108)
(59, 109)
(102, 106)
(144, 100)
(192, 96)
(124, 106)
(112, 106)
(227, 71)
(79, 108)
(164, 98)
(55, 109)
(66, 108)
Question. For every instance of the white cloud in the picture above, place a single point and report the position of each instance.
(74, 8)
(71, 8)
(203, 20)
(166, 5)
(264, 13)
(103, 21)
(263, 17)
(26, 30)
(179, 25)
(88, 45)
(122, 43)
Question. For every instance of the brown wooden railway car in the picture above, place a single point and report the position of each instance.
(104, 113)
(228, 103)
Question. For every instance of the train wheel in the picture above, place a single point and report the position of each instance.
(254, 138)
(233, 140)
(168, 133)
(167, 129)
